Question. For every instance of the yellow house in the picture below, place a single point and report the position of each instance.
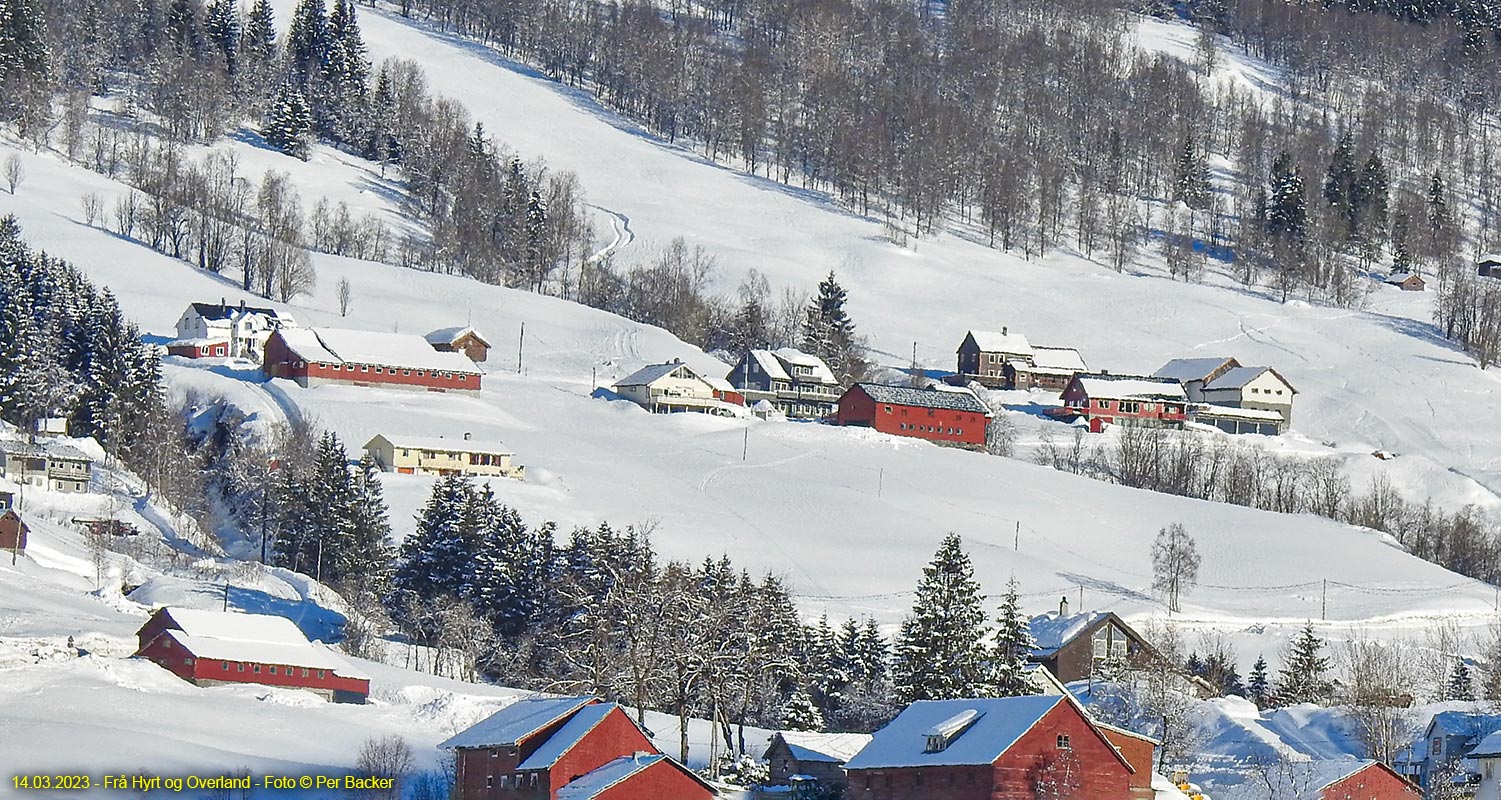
(416, 455)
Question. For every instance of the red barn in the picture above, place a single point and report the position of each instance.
(1012, 748)
(947, 415)
(1103, 399)
(13, 532)
(1358, 780)
(199, 348)
(566, 748)
(315, 356)
(213, 647)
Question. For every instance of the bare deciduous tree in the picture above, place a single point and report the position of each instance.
(14, 172)
(386, 757)
(1175, 564)
(345, 296)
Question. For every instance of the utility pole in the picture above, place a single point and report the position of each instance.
(1324, 602)
(880, 481)
(593, 378)
(520, 343)
(1017, 545)
(745, 444)
(1081, 598)
(226, 595)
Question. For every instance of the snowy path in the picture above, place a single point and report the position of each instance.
(620, 226)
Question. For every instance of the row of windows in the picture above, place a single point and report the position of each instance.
(932, 429)
(1255, 390)
(520, 780)
(960, 417)
(290, 672)
(421, 373)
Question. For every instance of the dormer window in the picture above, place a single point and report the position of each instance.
(940, 736)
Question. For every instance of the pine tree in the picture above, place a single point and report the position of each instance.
(1303, 677)
(1287, 211)
(289, 123)
(1013, 646)
(185, 29)
(222, 26)
(260, 33)
(1461, 686)
(829, 333)
(1402, 255)
(25, 58)
(1339, 181)
(941, 652)
(1258, 690)
(536, 238)
(307, 41)
(1191, 183)
(800, 714)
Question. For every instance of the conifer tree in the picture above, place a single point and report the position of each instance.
(1013, 646)
(536, 236)
(289, 123)
(1303, 677)
(941, 652)
(799, 713)
(1191, 184)
(367, 556)
(307, 41)
(260, 33)
(829, 333)
(436, 560)
(223, 28)
(1287, 211)
(1258, 690)
(25, 57)
(1461, 686)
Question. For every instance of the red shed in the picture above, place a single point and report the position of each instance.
(199, 348)
(314, 356)
(548, 748)
(1013, 748)
(947, 415)
(1360, 780)
(13, 532)
(1103, 399)
(213, 647)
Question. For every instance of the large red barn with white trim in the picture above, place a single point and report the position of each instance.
(947, 415)
(314, 356)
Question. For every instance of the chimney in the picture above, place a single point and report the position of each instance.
(223, 305)
(1063, 606)
(242, 304)
(466, 436)
(1003, 330)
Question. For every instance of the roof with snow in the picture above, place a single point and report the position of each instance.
(451, 335)
(960, 400)
(1489, 747)
(595, 783)
(390, 349)
(306, 344)
(1130, 387)
(1059, 358)
(439, 443)
(1402, 277)
(267, 628)
(517, 721)
(295, 655)
(1001, 342)
(1052, 631)
(1463, 723)
(227, 310)
(48, 448)
(1319, 774)
(1489, 258)
(651, 373)
(825, 748)
(572, 732)
(769, 364)
(998, 723)
(259, 638)
(1230, 412)
(1238, 377)
(1192, 369)
(821, 371)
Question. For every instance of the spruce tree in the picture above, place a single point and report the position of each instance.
(1303, 677)
(223, 28)
(1191, 183)
(367, 556)
(800, 714)
(941, 652)
(1287, 211)
(829, 333)
(1013, 646)
(1461, 686)
(307, 42)
(25, 58)
(1339, 181)
(1258, 690)
(536, 238)
(289, 123)
(260, 33)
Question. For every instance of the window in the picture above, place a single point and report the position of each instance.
(1254, 390)
(888, 409)
(406, 372)
(1063, 743)
(489, 780)
(240, 667)
(304, 672)
(273, 669)
(463, 377)
(364, 368)
(226, 666)
(1438, 745)
(321, 673)
(1102, 403)
(256, 668)
(421, 373)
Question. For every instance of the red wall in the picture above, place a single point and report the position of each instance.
(1173, 411)
(12, 531)
(198, 351)
(613, 737)
(857, 408)
(171, 657)
(660, 781)
(1140, 753)
(1372, 783)
(282, 363)
(1101, 775)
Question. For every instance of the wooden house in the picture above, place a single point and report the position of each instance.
(432, 455)
(1351, 779)
(13, 532)
(317, 356)
(990, 749)
(985, 355)
(463, 339)
(565, 748)
(199, 348)
(1193, 373)
(242, 329)
(1450, 737)
(213, 647)
(1252, 388)
(673, 386)
(943, 414)
(7, 496)
(1104, 399)
(808, 762)
(52, 465)
(1487, 759)
(1075, 646)
(1407, 281)
(793, 382)
(1051, 368)
(1238, 420)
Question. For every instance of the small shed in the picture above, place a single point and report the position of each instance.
(199, 348)
(1488, 265)
(13, 532)
(805, 757)
(463, 339)
(1407, 281)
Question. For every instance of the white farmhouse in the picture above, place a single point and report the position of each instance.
(674, 386)
(245, 328)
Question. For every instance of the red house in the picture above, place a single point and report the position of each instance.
(566, 748)
(315, 356)
(1013, 748)
(13, 531)
(1358, 780)
(208, 648)
(945, 414)
(1104, 399)
(199, 348)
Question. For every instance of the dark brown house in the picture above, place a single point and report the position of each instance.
(1075, 646)
(804, 759)
(13, 532)
(464, 340)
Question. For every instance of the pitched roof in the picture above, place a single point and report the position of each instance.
(1211, 411)
(1052, 631)
(1320, 774)
(1001, 342)
(391, 349)
(654, 372)
(51, 449)
(824, 748)
(821, 371)
(296, 655)
(226, 310)
(261, 638)
(304, 342)
(1060, 358)
(451, 335)
(1192, 369)
(1130, 387)
(268, 628)
(770, 364)
(1489, 258)
(1238, 377)
(441, 444)
(1463, 723)
(572, 732)
(999, 724)
(1403, 277)
(947, 399)
(517, 721)
(1489, 747)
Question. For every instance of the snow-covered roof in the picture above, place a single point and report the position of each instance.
(718, 384)
(1489, 747)
(826, 748)
(198, 341)
(1131, 387)
(1001, 342)
(572, 732)
(439, 443)
(960, 400)
(594, 783)
(1000, 722)
(303, 654)
(821, 371)
(1052, 631)
(391, 349)
(1058, 358)
(1163, 788)
(770, 365)
(1402, 277)
(308, 347)
(652, 373)
(451, 335)
(1489, 258)
(1228, 412)
(516, 722)
(1238, 377)
(267, 628)
(1319, 774)
(45, 447)
(1192, 369)
(1463, 723)
(228, 310)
